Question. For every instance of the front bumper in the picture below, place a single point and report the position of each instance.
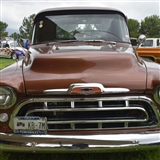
(79, 143)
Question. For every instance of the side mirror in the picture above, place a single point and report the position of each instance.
(141, 39)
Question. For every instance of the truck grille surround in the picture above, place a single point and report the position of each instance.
(103, 113)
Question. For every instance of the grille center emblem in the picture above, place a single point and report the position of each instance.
(85, 89)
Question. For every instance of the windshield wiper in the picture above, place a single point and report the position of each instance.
(61, 42)
(102, 41)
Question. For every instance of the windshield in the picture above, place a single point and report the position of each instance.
(108, 27)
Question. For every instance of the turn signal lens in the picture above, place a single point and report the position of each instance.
(3, 117)
(7, 97)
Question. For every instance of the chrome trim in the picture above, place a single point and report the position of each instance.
(86, 85)
(87, 109)
(100, 122)
(100, 108)
(80, 143)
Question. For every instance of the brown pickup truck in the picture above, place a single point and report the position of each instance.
(80, 88)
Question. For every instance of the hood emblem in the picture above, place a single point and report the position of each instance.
(85, 89)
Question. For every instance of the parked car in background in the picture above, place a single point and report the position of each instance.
(11, 49)
(80, 88)
(150, 49)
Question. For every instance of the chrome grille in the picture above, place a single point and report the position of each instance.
(91, 113)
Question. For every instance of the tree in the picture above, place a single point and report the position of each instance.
(15, 35)
(27, 26)
(3, 27)
(134, 27)
(150, 26)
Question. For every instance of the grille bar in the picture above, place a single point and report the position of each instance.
(96, 121)
(87, 109)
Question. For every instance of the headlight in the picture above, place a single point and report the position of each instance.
(7, 97)
(157, 95)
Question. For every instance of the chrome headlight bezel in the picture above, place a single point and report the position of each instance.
(7, 97)
(157, 95)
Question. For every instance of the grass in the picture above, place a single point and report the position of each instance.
(135, 155)
(4, 62)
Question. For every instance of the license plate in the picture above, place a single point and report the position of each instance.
(30, 125)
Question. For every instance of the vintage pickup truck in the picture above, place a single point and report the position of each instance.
(80, 88)
(150, 49)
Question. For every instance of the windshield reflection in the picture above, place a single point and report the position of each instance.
(108, 27)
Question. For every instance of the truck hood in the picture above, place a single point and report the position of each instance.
(61, 69)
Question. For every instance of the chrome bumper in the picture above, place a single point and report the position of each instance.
(80, 143)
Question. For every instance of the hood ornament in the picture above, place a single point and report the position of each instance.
(85, 89)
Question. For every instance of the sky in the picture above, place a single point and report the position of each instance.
(13, 12)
